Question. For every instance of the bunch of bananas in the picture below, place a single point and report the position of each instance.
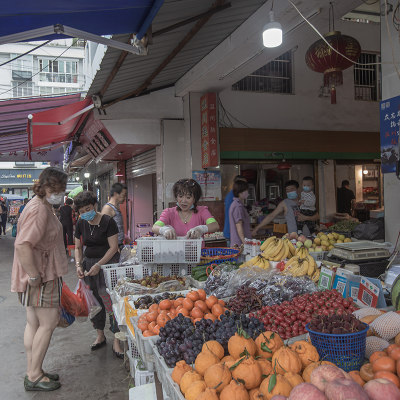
(275, 249)
(257, 261)
(302, 252)
(302, 266)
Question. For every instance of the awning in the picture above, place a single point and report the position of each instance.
(56, 126)
(25, 20)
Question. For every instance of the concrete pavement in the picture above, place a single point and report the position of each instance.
(87, 375)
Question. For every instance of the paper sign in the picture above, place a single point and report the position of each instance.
(367, 294)
(353, 286)
(340, 282)
(325, 279)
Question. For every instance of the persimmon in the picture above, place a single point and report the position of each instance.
(210, 301)
(148, 333)
(143, 325)
(184, 312)
(188, 304)
(151, 325)
(178, 302)
(202, 294)
(162, 320)
(197, 313)
(151, 316)
(394, 351)
(384, 364)
(221, 303)
(165, 312)
(156, 330)
(165, 304)
(202, 305)
(210, 316)
(390, 376)
(194, 296)
(153, 307)
(194, 320)
(217, 310)
(376, 355)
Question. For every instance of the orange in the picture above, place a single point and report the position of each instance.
(202, 305)
(151, 326)
(221, 303)
(156, 330)
(217, 310)
(202, 294)
(165, 304)
(384, 364)
(178, 302)
(151, 316)
(162, 320)
(153, 307)
(211, 301)
(194, 296)
(142, 325)
(148, 333)
(197, 313)
(394, 351)
(188, 304)
(376, 355)
(389, 376)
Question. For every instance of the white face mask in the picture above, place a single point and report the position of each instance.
(55, 198)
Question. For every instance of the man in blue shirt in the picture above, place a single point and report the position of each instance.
(228, 202)
(22, 207)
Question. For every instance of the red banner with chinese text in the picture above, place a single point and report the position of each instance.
(209, 137)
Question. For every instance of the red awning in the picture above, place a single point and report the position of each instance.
(56, 126)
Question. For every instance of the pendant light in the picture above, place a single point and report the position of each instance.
(272, 33)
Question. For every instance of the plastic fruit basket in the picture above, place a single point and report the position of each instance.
(218, 255)
(318, 255)
(347, 350)
(163, 372)
(160, 250)
(113, 272)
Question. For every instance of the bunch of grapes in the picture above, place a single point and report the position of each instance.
(245, 301)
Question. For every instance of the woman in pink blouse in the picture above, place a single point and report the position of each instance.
(39, 263)
(187, 218)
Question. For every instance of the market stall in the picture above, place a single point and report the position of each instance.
(278, 319)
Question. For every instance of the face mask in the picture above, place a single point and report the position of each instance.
(292, 195)
(88, 216)
(191, 207)
(307, 188)
(55, 198)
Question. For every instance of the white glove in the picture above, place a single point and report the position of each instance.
(168, 232)
(197, 232)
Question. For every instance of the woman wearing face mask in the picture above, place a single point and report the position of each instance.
(39, 264)
(239, 220)
(99, 234)
(187, 218)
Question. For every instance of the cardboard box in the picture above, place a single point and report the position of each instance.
(142, 376)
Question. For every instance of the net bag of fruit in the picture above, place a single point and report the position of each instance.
(364, 312)
(374, 344)
(387, 326)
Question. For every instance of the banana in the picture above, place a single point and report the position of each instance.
(278, 248)
(286, 254)
(312, 265)
(315, 277)
(281, 255)
(267, 242)
(292, 249)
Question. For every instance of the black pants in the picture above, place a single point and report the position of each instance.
(68, 234)
(3, 225)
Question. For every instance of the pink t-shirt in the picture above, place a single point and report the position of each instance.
(170, 216)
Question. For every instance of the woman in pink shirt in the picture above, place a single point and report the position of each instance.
(39, 264)
(187, 218)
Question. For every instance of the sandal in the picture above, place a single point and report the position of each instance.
(118, 354)
(39, 386)
(97, 346)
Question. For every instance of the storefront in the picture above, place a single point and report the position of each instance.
(18, 181)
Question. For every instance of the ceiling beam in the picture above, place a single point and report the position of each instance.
(196, 28)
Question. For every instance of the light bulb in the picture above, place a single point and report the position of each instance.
(96, 182)
(86, 175)
(272, 34)
(77, 178)
(365, 172)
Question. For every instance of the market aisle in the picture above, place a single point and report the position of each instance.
(84, 374)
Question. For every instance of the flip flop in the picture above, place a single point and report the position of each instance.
(38, 386)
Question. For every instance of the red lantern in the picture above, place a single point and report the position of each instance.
(321, 58)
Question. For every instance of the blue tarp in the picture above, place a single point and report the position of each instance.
(101, 17)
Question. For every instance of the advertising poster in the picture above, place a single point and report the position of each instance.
(210, 182)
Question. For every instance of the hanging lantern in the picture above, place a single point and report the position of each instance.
(321, 58)
(284, 165)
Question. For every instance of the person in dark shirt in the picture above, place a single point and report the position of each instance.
(66, 221)
(99, 234)
(21, 208)
(3, 212)
(345, 197)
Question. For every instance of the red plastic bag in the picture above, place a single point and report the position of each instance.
(93, 306)
(75, 304)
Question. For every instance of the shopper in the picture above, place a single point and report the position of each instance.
(290, 207)
(99, 234)
(39, 264)
(228, 202)
(21, 208)
(307, 204)
(187, 218)
(239, 219)
(67, 223)
(4, 212)
(117, 197)
(345, 198)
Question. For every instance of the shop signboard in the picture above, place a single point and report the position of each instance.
(210, 182)
(389, 127)
(209, 137)
(8, 177)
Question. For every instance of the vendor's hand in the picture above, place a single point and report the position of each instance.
(168, 232)
(254, 232)
(79, 272)
(93, 271)
(197, 232)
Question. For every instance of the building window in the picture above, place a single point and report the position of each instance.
(22, 89)
(367, 83)
(58, 71)
(274, 77)
(49, 90)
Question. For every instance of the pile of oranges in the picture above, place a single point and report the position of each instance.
(196, 306)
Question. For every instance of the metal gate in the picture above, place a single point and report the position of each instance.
(143, 164)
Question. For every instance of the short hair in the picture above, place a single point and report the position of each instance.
(69, 202)
(345, 183)
(52, 178)
(84, 199)
(308, 178)
(239, 187)
(292, 183)
(239, 178)
(26, 200)
(117, 188)
(188, 187)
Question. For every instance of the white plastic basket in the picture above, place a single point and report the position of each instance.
(176, 393)
(163, 372)
(144, 345)
(112, 272)
(132, 348)
(160, 250)
(178, 269)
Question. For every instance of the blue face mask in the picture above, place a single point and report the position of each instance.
(292, 195)
(191, 207)
(307, 188)
(88, 216)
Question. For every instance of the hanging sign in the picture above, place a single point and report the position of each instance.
(209, 137)
(390, 125)
(210, 182)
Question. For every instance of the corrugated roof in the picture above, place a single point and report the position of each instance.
(136, 69)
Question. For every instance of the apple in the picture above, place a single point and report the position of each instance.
(324, 374)
(293, 235)
(308, 243)
(302, 238)
(378, 389)
(318, 249)
(345, 389)
(306, 391)
(299, 244)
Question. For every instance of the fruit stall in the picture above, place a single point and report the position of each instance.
(277, 322)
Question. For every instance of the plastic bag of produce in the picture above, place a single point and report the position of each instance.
(373, 229)
(83, 291)
(218, 281)
(125, 254)
(66, 319)
(74, 304)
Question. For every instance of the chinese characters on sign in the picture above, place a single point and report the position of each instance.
(390, 125)
(209, 137)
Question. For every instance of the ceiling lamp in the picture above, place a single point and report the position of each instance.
(365, 172)
(272, 33)
(86, 175)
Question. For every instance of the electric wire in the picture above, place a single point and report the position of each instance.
(24, 54)
(230, 114)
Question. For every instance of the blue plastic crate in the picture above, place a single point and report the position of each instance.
(218, 255)
(347, 351)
